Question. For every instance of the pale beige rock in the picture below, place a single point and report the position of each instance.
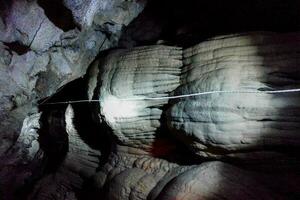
(81, 158)
(215, 180)
(219, 125)
(151, 71)
(136, 177)
(28, 138)
(131, 175)
(252, 127)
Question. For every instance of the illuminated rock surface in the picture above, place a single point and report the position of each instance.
(128, 74)
(247, 129)
(230, 124)
(43, 47)
(219, 146)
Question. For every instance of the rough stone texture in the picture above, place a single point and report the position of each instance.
(132, 175)
(81, 158)
(26, 23)
(29, 137)
(190, 22)
(26, 78)
(151, 71)
(18, 79)
(23, 161)
(215, 180)
(37, 58)
(46, 44)
(104, 12)
(254, 61)
(220, 125)
(54, 57)
(129, 174)
(79, 164)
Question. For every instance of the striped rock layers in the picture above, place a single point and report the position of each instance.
(238, 124)
(125, 76)
(253, 127)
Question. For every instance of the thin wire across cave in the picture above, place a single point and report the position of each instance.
(296, 90)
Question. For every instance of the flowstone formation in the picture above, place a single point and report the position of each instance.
(96, 99)
(254, 134)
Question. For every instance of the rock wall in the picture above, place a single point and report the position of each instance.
(253, 133)
(43, 46)
(228, 124)
(125, 146)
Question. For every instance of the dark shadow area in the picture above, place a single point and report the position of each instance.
(53, 136)
(285, 167)
(96, 133)
(4, 8)
(20, 49)
(185, 23)
(53, 142)
(273, 154)
(169, 148)
(58, 14)
(88, 128)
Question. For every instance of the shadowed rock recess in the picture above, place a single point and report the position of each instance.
(129, 139)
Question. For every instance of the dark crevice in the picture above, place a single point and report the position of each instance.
(167, 141)
(5, 8)
(17, 47)
(88, 128)
(54, 139)
(192, 21)
(58, 14)
(91, 132)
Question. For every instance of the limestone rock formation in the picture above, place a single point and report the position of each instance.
(79, 164)
(81, 118)
(215, 180)
(248, 126)
(239, 124)
(128, 76)
(41, 50)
